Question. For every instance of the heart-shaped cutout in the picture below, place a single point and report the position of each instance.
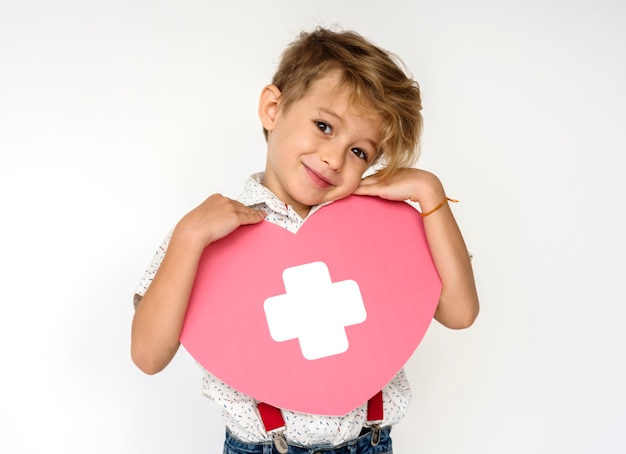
(268, 317)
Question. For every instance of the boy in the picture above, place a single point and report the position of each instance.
(337, 105)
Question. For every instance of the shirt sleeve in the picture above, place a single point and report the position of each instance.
(396, 397)
(152, 269)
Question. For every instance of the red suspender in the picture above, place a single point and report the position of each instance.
(274, 422)
(271, 416)
(375, 413)
(375, 410)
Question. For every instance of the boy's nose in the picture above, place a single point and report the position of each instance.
(333, 157)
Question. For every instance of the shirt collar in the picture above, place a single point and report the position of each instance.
(254, 193)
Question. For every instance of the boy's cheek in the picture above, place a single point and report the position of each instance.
(350, 188)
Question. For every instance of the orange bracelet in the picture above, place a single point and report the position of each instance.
(446, 200)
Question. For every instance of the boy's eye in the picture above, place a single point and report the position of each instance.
(324, 127)
(360, 153)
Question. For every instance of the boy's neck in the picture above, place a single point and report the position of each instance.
(302, 210)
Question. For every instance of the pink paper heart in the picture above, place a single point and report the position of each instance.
(377, 244)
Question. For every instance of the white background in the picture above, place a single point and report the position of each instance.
(118, 117)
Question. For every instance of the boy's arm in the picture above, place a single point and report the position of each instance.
(158, 319)
(458, 305)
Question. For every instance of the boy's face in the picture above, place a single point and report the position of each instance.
(319, 148)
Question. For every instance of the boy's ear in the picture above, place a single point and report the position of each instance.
(269, 105)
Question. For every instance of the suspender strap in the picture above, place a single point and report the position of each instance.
(271, 417)
(274, 423)
(375, 410)
(375, 414)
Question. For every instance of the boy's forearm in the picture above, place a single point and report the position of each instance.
(458, 305)
(159, 317)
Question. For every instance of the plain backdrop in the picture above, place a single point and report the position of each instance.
(118, 117)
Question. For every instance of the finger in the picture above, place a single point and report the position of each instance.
(368, 189)
(252, 216)
(372, 179)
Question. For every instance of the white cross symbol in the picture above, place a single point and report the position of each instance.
(314, 310)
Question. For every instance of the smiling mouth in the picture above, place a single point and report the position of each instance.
(318, 179)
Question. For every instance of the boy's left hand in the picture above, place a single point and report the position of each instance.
(406, 184)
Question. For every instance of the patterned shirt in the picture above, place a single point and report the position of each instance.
(239, 411)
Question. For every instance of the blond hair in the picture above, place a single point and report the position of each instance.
(375, 78)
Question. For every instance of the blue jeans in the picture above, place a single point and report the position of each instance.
(360, 445)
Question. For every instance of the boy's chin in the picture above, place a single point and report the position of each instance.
(313, 201)
(310, 200)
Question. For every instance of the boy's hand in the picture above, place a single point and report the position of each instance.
(215, 218)
(406, 184)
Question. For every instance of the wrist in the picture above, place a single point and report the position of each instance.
(188, 237)
(431, 192)
(436, 207)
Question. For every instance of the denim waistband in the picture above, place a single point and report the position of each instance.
(360, 445)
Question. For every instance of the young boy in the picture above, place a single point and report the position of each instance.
(337, 105)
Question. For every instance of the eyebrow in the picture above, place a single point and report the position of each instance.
(334, 114)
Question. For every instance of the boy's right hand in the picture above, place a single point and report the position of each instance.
(159, 317)
(215, 218)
